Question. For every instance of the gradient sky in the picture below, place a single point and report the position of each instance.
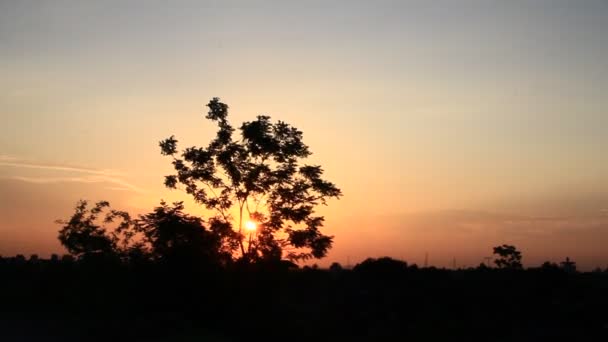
(451, 127)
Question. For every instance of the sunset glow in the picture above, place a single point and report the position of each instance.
(250, 226)
(450, 128)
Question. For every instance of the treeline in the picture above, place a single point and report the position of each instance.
(383, 265)
(183, 245)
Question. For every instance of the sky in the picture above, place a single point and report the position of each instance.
(450, 126)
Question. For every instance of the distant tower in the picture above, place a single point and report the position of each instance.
(568, 265)
(426, 260)
(454, 263)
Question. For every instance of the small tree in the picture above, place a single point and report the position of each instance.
(54, 258)
(86, 233)
(508, 257)
(336, 267)
(257, 177)
(549, 266)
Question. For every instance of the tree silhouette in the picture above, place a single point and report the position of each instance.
(86, 234)
(335, 267)
(174, 236)
(257, 177)
(549, 266)
(166, 234)
(380, 267)
(508, 257)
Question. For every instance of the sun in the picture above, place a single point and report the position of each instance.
(250, 225)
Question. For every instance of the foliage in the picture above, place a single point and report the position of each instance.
(381, 267)
(508, 257)
(259, 175)
(86, 234)
(336, 267)
(549, 266)
(165, 234)
(178, 237)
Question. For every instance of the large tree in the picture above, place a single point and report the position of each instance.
(259, 177)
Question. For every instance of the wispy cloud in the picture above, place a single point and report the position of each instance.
(4, 157)
(89, 175)
(9, 161)
(120, 184)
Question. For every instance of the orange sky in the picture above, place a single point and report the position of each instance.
(450, 128)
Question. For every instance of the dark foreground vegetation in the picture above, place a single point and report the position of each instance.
(379, 300)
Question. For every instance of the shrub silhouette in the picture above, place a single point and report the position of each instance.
(384, 266)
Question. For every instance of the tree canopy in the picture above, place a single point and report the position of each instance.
(167, 234)
(175, 236)
(508, 257)
(258, 176)
(87, 232)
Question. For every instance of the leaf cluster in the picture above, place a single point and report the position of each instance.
(258, 173)
(508, 257)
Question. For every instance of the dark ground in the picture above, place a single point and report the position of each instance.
(58, 301)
